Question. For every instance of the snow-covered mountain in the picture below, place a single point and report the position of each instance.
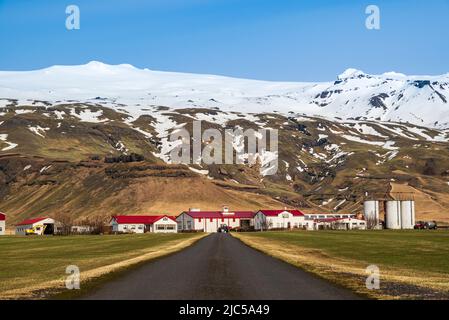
(421, 100)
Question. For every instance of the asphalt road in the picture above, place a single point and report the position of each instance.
(218, 267)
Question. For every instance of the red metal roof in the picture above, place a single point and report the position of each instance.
(31, 221)
(220, 214)
(140, 219)
(332, 219)
(272, 213)
(2, 216)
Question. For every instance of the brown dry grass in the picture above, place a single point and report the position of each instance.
(346, 272)
(428, 207)
(31, 288)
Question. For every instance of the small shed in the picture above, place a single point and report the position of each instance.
(142, 224)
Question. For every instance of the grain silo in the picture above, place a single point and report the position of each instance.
(393, 214)
(407, 214)
(371, 212)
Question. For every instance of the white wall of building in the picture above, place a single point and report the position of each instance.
(20, 230)
(186, 222)
(2, 227)
(210, 225)
(283, 220)
(343, 224)
(81, 229)
(313, 216)
(164, 225)
(127, 228)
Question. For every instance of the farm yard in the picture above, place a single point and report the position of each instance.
(34, 267)
(413, 264)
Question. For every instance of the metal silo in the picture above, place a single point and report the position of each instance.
(408, 214)
(393, 215)
(371, 212)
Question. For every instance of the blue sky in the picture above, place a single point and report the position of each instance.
(293, 40)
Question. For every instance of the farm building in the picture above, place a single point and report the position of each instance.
(279, 219)
(211, 221)
(340, 224)
(313, 216)
(2, 223)
(142, 224)
(81, 229)
(38, 226)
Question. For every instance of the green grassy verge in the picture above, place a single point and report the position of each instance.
(32, 264)
(407, 259)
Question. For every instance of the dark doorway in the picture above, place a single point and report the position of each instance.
(245, 224)
(49, 228)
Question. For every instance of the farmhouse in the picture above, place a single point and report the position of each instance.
(211, 221)
(279, 219)
(2, 223)
(142, 224)
(38, 226)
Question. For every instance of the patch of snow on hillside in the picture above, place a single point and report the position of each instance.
(23, 111)
(367, 130)
(11, 145)
(38, 130)
(386, 145)
(86, 115)
(269, 165)
(59, 114)
(322, 136)
(146, 134)
(203, 172)
(45, 168)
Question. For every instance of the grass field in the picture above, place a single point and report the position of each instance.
(413, 264)
(33, 267)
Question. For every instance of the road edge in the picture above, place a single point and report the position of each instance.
(92, 278)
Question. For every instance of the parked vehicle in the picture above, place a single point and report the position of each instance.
(432, 225)
(36, 230)
(426, 225)
(223, 229)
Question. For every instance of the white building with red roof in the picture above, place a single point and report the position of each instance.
(211, 221)
(39, 226)
(2, 223)
(142, 224)
(340, 224)
(279, 219)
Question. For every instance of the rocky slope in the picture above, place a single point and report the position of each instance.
(53, 162)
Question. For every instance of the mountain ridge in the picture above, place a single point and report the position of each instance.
(353, 95)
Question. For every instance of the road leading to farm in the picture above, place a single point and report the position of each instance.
(219, 267)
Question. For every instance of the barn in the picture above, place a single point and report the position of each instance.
(142, 224)
(211, 221)
(38, 226)
(2, 223)
(279, 219)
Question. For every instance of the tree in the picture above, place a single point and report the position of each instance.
(64, 223)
